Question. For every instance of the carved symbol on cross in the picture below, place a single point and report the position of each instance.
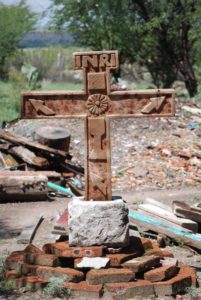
(97, 104)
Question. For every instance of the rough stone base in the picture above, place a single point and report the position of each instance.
(98, 223)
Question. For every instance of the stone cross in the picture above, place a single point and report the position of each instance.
(97, 104)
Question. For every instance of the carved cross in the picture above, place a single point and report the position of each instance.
(97, 104)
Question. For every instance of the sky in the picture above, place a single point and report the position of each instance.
(35, 5)
(38, 6)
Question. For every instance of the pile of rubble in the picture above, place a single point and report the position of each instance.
(158, 153)
(140, 269)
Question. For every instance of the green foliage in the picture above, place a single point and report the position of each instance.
(15, 21)
(161, 35)
(55, 288)
(32, 75)
(6, 285)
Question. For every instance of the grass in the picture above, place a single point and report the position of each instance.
(8, 102)
(61, 86)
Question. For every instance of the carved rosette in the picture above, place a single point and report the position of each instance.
(98, 104)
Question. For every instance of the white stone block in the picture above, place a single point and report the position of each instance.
(98, 223)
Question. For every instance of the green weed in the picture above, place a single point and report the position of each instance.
(55, 288)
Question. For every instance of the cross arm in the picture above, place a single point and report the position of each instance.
(53, 104)
(139, 103)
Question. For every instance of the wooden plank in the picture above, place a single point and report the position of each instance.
(48, 174)
(28, 156)
(184, 210)
(168, 216)
(33, 145)
(158, 204)
(23, 188)
(190, 239)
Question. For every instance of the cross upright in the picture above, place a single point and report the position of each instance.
(97, 104)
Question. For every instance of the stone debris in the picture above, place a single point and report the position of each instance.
(26, 269)
(92, 262)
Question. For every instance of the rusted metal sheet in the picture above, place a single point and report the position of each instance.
(97, 104)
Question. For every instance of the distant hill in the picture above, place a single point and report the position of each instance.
(43, 39)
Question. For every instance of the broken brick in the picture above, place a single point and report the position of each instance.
(191, 272)
(109, 275)
(116, 260)
(62, 249)
(158, 252)
(33, 249)
(85, 290)
(45, 272)
(175, 285)
(43, 259)
(32, 283)
(11, 274)
(142, 264)
(161, 273)
(70, 275)
(15, 260)
(124, 290)
(135, 248)
(146, 243)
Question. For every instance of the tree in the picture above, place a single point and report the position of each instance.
(158, 34)
(15, 21)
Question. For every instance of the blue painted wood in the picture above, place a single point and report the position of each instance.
(60, 188)
(192, 236)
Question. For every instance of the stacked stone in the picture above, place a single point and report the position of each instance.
(91, 271)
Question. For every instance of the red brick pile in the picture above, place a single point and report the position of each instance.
(142, 268)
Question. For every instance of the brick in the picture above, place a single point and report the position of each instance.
(142, 264)
(43, 259)
(11, 274)
(158, 252)
(131, 290)
(70, 275)
(62, 249)
(62, 222)
(45, 272)
(116, 260)
(175, 285)
(15, 260)
(32, 249)
(109, 275)
(83, 289)
(135, 248)
(191, 272)
(28, 269)
(32, 283)
(146, 243)
(162, 273)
